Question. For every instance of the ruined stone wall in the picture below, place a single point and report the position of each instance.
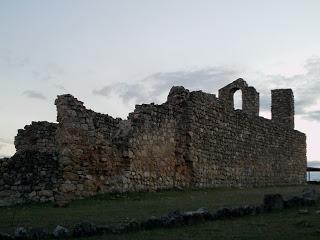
(250, 97)
(100, 154)
(232, 148)
(91, 149)
(39, 136)
(193, 139)
(152, 147)
(282, 107)
(157, 147)
(33, 173)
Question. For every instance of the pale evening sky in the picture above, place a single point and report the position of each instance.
(115, 54)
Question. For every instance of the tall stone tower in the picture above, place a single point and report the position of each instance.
(282, 107)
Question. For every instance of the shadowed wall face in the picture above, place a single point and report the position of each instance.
(33, 173)
(235, 149)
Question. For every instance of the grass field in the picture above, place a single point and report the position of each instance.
(287, 225)
(115, 208)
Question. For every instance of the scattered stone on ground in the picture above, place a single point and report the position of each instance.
(21, 233)
(303, 211)
(273, 202)
(61, 232)
(84, 229)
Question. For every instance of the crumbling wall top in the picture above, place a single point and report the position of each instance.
(38, 136)
(177, 94)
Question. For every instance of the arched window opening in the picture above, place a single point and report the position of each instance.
(237, 99)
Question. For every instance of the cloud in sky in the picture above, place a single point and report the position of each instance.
(154, 86)
(34, 94)
(60, 87)
(6, 141)
(306, 86)
(13, 61)
(48, 72)
(4, 144)
(312, 115)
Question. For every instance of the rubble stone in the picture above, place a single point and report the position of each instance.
(273, 202)
(61, 232)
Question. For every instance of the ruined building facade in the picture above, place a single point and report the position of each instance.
(194, 139)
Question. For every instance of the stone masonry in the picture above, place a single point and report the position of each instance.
(194, 139)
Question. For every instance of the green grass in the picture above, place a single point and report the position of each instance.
(115, 208)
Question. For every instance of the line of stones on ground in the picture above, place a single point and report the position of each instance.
(271, 202)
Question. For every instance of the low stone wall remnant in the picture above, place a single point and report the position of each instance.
(271, 202)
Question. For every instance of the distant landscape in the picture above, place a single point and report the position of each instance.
(314, 176)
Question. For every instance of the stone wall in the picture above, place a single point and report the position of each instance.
(282, 107)
(157, 146)
(100, 154)
(33, 172)
(193, 139)
(250, 97)
(237, 149)
(90, 147)
(39, 136)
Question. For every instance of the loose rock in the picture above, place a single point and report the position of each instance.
(273, 202)
(21, 233)
(61, 232)
(84, 229)
(303, 211)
